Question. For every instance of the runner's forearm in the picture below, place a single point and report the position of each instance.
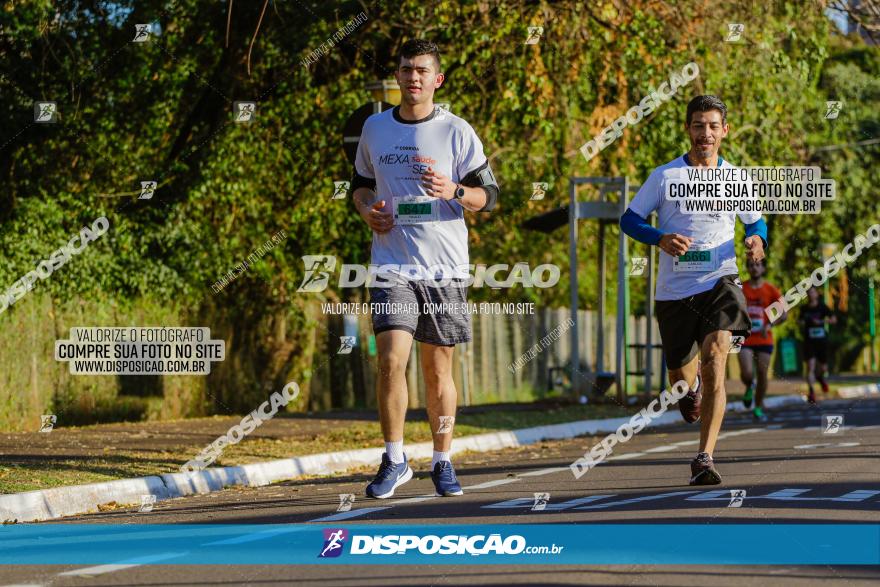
(639, 228)
(758, 228)
(363, 199)
(474, 198)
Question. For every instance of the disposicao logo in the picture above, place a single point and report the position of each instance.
(334, 541)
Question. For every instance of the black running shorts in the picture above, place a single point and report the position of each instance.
(685, 323)
(816, 349)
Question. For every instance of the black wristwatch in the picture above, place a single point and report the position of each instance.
(459, 192)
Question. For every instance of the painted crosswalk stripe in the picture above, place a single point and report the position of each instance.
(528, 502)
(634, 500)
(857, 495)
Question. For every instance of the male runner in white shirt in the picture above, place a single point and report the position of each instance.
(417, 169)
(700, 303)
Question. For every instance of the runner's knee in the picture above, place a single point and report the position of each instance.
(390, 363)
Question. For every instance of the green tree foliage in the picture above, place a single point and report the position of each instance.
(163, 110)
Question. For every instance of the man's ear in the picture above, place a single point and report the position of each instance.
(441, 77)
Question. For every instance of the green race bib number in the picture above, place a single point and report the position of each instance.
(818, 332)
(415, 209)
(701, 261)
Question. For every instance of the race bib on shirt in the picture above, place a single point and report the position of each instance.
(817, 332)
(415, 209)
(756, 315)
(696, 261)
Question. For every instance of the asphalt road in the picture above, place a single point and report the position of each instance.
(790, 469)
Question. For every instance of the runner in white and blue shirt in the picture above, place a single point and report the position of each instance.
(700, 305)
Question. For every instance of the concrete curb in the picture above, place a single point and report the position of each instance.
(48, 504)
(854, 391)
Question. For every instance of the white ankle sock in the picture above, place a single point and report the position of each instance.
(395, 451)
(439, 456)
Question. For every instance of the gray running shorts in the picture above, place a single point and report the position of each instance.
(434, 315)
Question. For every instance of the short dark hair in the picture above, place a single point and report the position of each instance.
(762, 262)
(705, 104)
(416, 47)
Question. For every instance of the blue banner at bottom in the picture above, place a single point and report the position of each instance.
(478, 544)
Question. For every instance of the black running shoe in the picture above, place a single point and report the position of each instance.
(811, 398)
(703, 471)
(689, 405)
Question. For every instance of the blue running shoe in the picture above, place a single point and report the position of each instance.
(390, 477)
(445, 481)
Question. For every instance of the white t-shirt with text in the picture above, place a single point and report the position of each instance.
(429, 235)
(711, 232)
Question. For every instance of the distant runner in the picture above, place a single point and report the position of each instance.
(813, 317)
(700, 303)
(758, 347)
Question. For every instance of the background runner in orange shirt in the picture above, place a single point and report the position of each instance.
(758, 347)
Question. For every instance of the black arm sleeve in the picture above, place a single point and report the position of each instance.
(482, 177)
(359, 181)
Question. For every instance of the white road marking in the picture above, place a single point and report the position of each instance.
(135, 562)
(98, 570)
(350, 514)
(625, 456)
(739, 432)
(540, 472)
(494, 483)
(826, 445)
(665, 448)
(636, 500)
(576, 502)
(787, 494)
(722, 494)
(416, 499)
(676, 445)
(528, 502)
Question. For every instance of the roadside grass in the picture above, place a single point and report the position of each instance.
(43, 470)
